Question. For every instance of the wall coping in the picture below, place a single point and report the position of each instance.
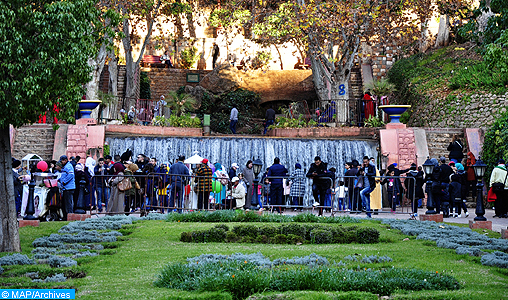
(325, 132)
(134, 130)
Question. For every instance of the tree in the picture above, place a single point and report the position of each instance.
(134, 14)
(43, 57)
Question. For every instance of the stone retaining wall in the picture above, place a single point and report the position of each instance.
(38, 139)
(165, 80)
(475, 111)
(322, 132)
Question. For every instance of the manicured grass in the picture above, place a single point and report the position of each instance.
(133, 266)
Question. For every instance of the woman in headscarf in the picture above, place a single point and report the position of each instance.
(130, 194)
(297, 191)
(89, 173)
(117, 198)
(220, 176)
(248, 174)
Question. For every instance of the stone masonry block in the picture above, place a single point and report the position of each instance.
(480, 224)
(435, 217)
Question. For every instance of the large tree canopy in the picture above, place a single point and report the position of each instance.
(44, 49)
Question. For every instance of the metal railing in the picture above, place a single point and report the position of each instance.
(349, 112)
(163, 192)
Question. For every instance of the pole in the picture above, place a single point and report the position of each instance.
(430, 200)
(480, 209)
(30, 207)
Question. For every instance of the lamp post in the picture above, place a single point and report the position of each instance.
(256, 166)
(428, 168)
(30, 207)
(479, 170)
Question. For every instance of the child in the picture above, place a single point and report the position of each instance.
(455, 192)
(340, 193)
(266, 191)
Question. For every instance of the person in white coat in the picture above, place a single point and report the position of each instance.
(238, 192)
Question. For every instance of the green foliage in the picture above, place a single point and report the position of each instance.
(189, 57)
(243, 279)
(261, 59)
(224, 216)
(494, 145)
(161, 121)
(404, 118)
(374, 121)
(288, 233)
(184, 121)
(228, 19)
(246, 102)
(495, 26)
(106, 150)
(300, 122)
(381, 87)
(44, 54)
(418, 77)
(180, 103)
(144, 86)
(496, 54)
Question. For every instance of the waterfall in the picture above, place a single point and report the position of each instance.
(228, 150)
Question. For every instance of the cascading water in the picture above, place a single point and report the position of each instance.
(230, 150)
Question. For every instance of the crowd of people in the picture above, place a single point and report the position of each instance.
(119, 185)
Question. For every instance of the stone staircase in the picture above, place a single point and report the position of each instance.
(355, 83)
(35, 139)
(438, 140)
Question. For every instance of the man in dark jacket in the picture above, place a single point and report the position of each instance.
(443, 177)
(204, 184)
(369, 184)
(177, 174)
(320, 182)
(414, 187)
(99, 182)
(18, 186)
(269, 118)
(350, 180)
(275, 173)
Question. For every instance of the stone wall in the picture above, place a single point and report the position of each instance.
(272, 85)
(476, 111)
(165, 80)
(35, 139)
(438, 140)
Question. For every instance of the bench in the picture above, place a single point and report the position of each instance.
(152, 61)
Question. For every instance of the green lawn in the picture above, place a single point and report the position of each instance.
(129, 272)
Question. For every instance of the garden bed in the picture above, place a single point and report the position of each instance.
(291, 233)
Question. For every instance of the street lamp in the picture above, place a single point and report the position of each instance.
(428, 168)
(30, 207)
(479, 170)
(256, 168)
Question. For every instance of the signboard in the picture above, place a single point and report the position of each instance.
(191, 77)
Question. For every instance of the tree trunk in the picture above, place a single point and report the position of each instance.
(9, 234)
(424, 43)
(443, 35)
(190, 24)
(280, 57)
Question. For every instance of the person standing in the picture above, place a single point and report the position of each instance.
(370, 106)
(204, 184)
(369, 184)
(444, 178)
(99, 182)
(68, 186)
(471, 177)
(297, 187)
(248, 174)
(456, 150)
(233, 119)
(158, 109)
(117, 200)
(18, 186)
(414, 187)
(464, 188)
(269, 118)
(177, 174)
(232, 171)
(320, 182)
(350, 177)
(275, 173)
(215, 54)
(499, 184)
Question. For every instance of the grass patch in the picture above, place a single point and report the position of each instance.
(130, 272)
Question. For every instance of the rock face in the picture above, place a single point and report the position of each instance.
(222, 79)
